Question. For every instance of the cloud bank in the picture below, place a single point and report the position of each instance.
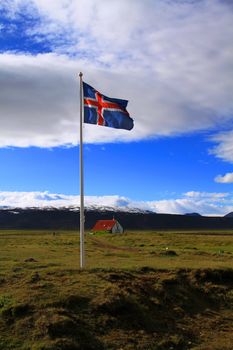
(227, 178)
(213, 204)
(172, 60)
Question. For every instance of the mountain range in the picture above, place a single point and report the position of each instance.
(68, 218)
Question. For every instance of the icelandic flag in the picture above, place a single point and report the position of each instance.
(106, 111)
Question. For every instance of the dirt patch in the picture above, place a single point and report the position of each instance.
(169, 253)
(30, 260)
(101, 244)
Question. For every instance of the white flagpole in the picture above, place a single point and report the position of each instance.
(82, 262)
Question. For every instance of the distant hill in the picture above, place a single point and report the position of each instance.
(192, 214)
(68, 218)
(229, 215)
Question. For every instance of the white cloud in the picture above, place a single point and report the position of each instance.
(38, 101)
(213, 196)
(35, 199)
(172, 60)
(224, 149)
(227, 178)
(205, 203)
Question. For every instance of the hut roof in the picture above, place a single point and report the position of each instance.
(104, 225)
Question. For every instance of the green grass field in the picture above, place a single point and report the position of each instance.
(140, 290)
(127, 251)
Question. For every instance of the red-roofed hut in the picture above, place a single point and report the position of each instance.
(111, 226)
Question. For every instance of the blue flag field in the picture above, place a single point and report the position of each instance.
(102, 110)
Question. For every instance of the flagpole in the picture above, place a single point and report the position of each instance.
(82, 261)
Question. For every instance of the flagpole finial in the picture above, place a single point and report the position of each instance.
(80, 74)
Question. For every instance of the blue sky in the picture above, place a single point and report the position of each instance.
(171, 60)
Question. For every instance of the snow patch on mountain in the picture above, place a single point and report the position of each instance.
(205, 203)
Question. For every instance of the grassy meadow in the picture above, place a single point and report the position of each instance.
(140, 290)
(162, 250)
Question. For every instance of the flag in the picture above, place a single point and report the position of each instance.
(102, 110)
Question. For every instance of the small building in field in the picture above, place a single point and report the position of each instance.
(111, 226)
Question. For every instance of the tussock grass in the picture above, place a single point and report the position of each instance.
(140, 290)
